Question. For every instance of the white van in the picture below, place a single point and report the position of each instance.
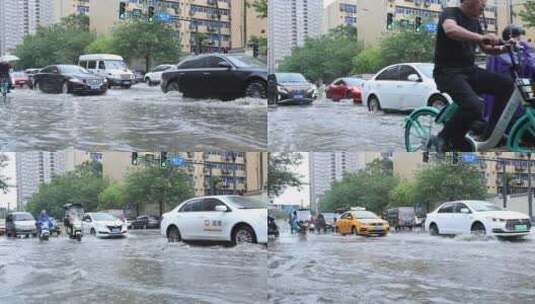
(110, 66)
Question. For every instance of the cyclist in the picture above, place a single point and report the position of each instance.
(458, 36)
(502, 63)
(4, 74)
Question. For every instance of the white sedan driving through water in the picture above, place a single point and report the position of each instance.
(228, 218)
(102, 224)
(477, 217)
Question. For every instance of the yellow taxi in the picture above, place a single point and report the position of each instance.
(362, 222)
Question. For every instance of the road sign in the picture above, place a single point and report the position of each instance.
(177, 161)
(469, 158)
(431, 27)
(164, 17)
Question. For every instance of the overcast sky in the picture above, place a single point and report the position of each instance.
(291, 195)
(10, 172)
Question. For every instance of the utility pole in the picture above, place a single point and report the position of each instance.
(511, 12)
(530, 195)
(504, 185)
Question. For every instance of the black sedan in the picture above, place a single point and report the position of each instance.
(291, 89)
(222, 76)
(146, 222)
(69, 79)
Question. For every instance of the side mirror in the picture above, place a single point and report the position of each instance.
(414, 77)
(465, 210)
(224, 64)
(221, 208)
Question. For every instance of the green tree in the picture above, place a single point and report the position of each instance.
(407, 46)
(165, 186)
(262, 44)
(403, 195)
(281, 172)
(341, 45)
(444, 181)
(528, 13)
(367, 61)
(147, 40)
(3, 179)
(367, 188)
(113, 197)
(83, 185)
(102, 44)
(260, 6)
(59, 43)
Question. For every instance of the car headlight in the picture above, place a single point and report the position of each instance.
(494, 219)
(76, 80)
(105, 80)
(282, 89)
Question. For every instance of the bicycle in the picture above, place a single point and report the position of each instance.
(424, 123)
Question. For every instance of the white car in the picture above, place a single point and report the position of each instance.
(102, 224)
(403, 87)
(154, 77)
(477, 217)
(113, 67)
(235, 219)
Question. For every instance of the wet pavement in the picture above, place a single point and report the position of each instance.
(334, 126)
(142, 268)
(141, 118)
(402, 267)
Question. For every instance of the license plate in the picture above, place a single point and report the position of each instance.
(95, 87)
(521, 227)
(298, 96)
(126, 82)
(115, 231)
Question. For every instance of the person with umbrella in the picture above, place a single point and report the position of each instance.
(5, 67)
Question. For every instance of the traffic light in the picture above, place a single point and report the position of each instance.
(389, 21)
(151, 13)
(122, 10)
(418, 23)
(163, 159)
(135, 160)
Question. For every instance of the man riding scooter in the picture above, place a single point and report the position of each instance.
(43, 225)
(458, 36)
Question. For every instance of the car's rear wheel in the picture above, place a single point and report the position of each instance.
(374, 105)
(173, 86)
(256, 89)
(173, 235)
(243, 234)
(478, 229)
(433, 229)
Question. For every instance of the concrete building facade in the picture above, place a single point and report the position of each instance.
(64, 8)
(340, 12)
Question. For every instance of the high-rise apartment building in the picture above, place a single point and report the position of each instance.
(22, 17)
(290, 23)
(340, 12)
(64, 8)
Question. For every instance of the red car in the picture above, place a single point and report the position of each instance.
(345, 88)
(20, 79)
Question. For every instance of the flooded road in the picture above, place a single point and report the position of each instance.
(142, 268)
(141, 118)
(333, 126)
(402, 267)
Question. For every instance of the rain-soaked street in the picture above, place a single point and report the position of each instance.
(333, 126)
(142, 268)
(402, 267)
(141, 118)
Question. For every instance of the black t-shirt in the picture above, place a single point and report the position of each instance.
(4, 69)
(451, 53)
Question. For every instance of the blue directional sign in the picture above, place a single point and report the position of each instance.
(469, 158)
(177, 161)
(164, 17)
(431, 27)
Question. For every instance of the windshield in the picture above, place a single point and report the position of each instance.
(24, 217)
(354, 81)
(364, 215)
(242, 61)
(290, 77)
(114, 65)
(484, 206)
(426, 69)
(246, 202)
(73, 69)
(18, 74)
(104, 217)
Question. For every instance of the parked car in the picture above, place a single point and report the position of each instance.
(403, 87)
(477, 217)
(228, 218)
(139, 76)
(2, 226)
(31, 73)
(20, 223)
(110, 66)
(401, 217)
(222, 76)
(146, 222)
(154, 77)
(291, 89)
(361, 222)
(69, 79)
(20, 79)
(345, 88)
(102, 224)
